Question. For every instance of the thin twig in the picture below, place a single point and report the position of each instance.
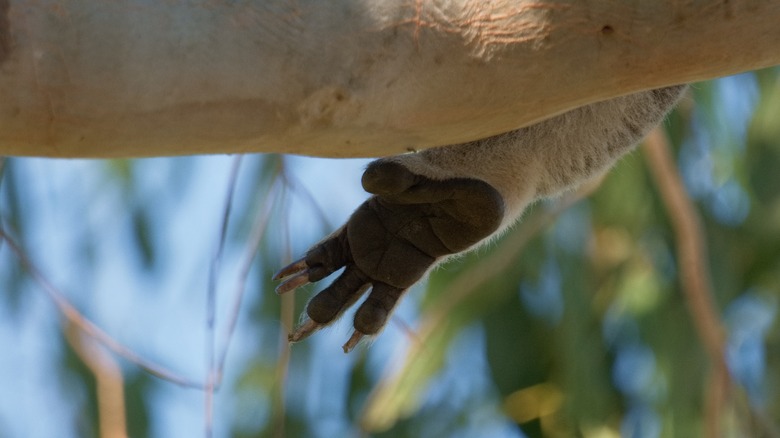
(406, 329)
(70, 313)
(296, 186)
(256, 238)
(112, 421)
(282, 365)
(286, 313)
(692, 261)
(211, 300)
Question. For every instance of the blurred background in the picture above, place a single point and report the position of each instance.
(574, 323)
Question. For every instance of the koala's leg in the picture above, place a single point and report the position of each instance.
(443, 201)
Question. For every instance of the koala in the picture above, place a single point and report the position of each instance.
(428, 206)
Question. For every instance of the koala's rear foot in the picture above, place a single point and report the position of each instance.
(421, 213)
(389, 243)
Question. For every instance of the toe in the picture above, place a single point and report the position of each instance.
(384, 177)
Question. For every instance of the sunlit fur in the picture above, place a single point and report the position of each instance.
(553, 156)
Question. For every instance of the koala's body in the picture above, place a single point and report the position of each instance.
(443, 201)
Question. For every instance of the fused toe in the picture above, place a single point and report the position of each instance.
(389, 243)
(374, 312)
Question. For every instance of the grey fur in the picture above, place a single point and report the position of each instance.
(553, 156)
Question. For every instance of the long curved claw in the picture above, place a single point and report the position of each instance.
(304, 330)
(291, 269)
(353, 341)
(293, 283)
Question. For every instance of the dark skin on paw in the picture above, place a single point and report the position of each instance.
(389, 243)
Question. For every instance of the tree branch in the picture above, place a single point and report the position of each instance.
(694, 273)
(109, 383)
(357, 78)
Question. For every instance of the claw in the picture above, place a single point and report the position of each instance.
(293, 268)
(304, 330)
(353, 341)
(293, 283)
